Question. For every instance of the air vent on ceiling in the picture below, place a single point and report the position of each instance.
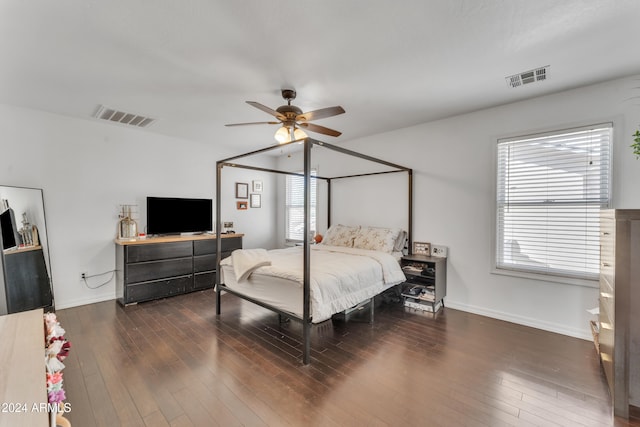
(112, 115)
(528, 77)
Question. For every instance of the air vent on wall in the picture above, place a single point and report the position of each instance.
(528, 77)
(113, 115)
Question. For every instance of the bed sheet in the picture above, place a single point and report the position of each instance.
(340, 279)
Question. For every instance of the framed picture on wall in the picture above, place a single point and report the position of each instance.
(241, 205)
(257, 186)
(242, 190)
(256, 200)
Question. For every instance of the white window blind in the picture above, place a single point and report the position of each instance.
(295, 207)
(550, 189)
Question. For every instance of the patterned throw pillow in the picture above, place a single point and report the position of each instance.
(340, 235)
(376, 239)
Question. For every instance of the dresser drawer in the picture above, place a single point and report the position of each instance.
(157, 289)
(204, 263)
(146, 271)
(206, 247)
(606, 342)
(204, 280)
(607, 301)
(152, 252)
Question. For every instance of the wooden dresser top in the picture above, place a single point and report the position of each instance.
(176, 238)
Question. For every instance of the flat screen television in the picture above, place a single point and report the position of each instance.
(10, 236)
(173, 215)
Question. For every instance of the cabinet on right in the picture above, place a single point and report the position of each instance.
(426, 284)
(619, 328)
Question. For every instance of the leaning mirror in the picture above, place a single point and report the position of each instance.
(26, 279)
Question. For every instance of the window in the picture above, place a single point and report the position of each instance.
(550, 189)
(294, 210)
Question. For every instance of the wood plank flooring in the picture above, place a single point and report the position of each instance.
(172, 362)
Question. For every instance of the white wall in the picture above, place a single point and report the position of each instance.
(87, 169)
(256, 223)
(454, 180)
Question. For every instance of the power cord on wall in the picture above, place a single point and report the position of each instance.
(85, 276)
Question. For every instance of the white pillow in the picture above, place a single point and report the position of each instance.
(340, 235)
(377, 239)
(401, 241)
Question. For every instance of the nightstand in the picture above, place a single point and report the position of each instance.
(426, 284)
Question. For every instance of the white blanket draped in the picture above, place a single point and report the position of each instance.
(245, 261)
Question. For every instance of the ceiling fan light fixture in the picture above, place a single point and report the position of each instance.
(284, 134)
(292, 118)
(299, 134)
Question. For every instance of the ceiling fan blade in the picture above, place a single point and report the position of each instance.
(320, 114)
(319, 129)
(253, 123)
(268, 110)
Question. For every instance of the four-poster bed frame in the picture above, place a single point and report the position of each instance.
(308, 143)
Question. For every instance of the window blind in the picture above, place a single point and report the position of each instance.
(295, 207)
(550, 189)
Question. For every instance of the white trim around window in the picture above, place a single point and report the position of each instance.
(550, 188)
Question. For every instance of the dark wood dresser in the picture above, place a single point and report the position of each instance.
(153, 268)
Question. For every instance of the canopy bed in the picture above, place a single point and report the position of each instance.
(361, 256)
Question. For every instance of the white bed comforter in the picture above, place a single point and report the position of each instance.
(340, 277)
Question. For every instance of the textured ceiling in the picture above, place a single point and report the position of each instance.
(192, 64)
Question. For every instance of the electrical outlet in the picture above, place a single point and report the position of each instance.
(83, 275)
(437, 250)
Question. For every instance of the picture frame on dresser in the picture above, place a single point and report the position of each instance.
(421, 248)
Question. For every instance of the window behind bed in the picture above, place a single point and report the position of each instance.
(294, 209)
(550, 189)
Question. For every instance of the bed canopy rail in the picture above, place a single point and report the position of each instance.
(308, 143)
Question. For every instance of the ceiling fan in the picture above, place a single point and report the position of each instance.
(293, 120)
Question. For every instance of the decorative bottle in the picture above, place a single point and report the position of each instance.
(127, 226)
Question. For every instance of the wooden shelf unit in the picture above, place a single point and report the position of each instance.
(428, 273)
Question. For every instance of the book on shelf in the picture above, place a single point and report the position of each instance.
(420, 293)
(431, 308)
(422, 297)
(411, 269)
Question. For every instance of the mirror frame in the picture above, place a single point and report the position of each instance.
(43, 238)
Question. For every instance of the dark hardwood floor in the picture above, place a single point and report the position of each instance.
(172, 362)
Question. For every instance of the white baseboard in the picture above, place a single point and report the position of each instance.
(83, 301)
(584, 334)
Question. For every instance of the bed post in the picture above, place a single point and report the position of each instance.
(328, 204)
(218, 235)
(410, 219)
(306, 315)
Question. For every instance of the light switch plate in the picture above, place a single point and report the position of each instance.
(437, 250)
